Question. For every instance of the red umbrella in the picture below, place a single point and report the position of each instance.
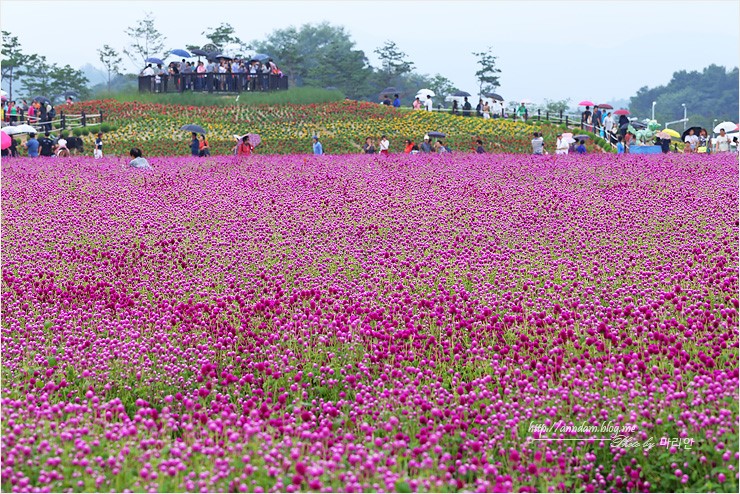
(622, 112)
(606, 106)
(586, 103)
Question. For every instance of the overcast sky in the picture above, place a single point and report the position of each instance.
(591, 49)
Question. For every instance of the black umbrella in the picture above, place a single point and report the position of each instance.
(194, 128)
(439, 135)
(581, 137)
(225, 57)
(43, 99)
(199, 52)
(637, 125)
(461, 93)
(495, 97)
(686, 132)
(389, 90)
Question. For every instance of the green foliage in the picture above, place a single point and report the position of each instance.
(393, 63)
(300, 96)
(15, 63)
(224, 35)
(111, 61)
(708, 95)
(146, 41)
(320, 55)
(487, 74)
(557, 106)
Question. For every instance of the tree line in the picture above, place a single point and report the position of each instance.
(317, 55)
(709, 95)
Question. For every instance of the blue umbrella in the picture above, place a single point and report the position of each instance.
(180, 53)
(154, 60)
(260, 57)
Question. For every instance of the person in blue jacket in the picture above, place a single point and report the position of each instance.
(194, 145)
(317, 147)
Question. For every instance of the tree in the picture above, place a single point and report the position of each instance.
(15, 63)
(557, 106)
(53, 82)
(68, 80)
(303, 53)
(111, 60)
(224, 35)
(342, 67)
(146, 41)
(708, 95)
(393, 62)
(39, 82)
(488, 80)
(441, 86)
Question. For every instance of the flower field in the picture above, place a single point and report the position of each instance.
(351, 323)
(287, 129)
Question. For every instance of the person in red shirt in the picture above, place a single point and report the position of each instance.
(409, 146)
(243, 147)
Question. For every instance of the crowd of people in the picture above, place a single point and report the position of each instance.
(223, 75)
(384, 146)
(50, 145)
(35, 113)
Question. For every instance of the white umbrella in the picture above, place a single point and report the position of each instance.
(568, 137)
(728, 126)
(423, 93)
(19, 129)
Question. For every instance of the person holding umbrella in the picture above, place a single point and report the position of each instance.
(194, 145)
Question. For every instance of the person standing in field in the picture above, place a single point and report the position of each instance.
(722, 142)
(521, 112)
(467, 107)
(429, 104)
(538, 144)
(46, 145)
(586, 118)
(620, 145)
(384, 145)
(32, 146)
(194, 145)
(396, 101)
(426, 147)
(368, 147)
(203, 148)
(561, 145)
(416, 104)
(317, 147)
(98, 151)
(480, 149)
(486, 110)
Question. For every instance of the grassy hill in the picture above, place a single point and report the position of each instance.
(287, 128)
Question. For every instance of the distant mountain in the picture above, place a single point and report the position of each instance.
(94, 74)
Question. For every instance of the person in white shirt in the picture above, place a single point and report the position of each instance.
(692, 140)
(561, 145)
(721, 142)
(429, 104)
(383, 145)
